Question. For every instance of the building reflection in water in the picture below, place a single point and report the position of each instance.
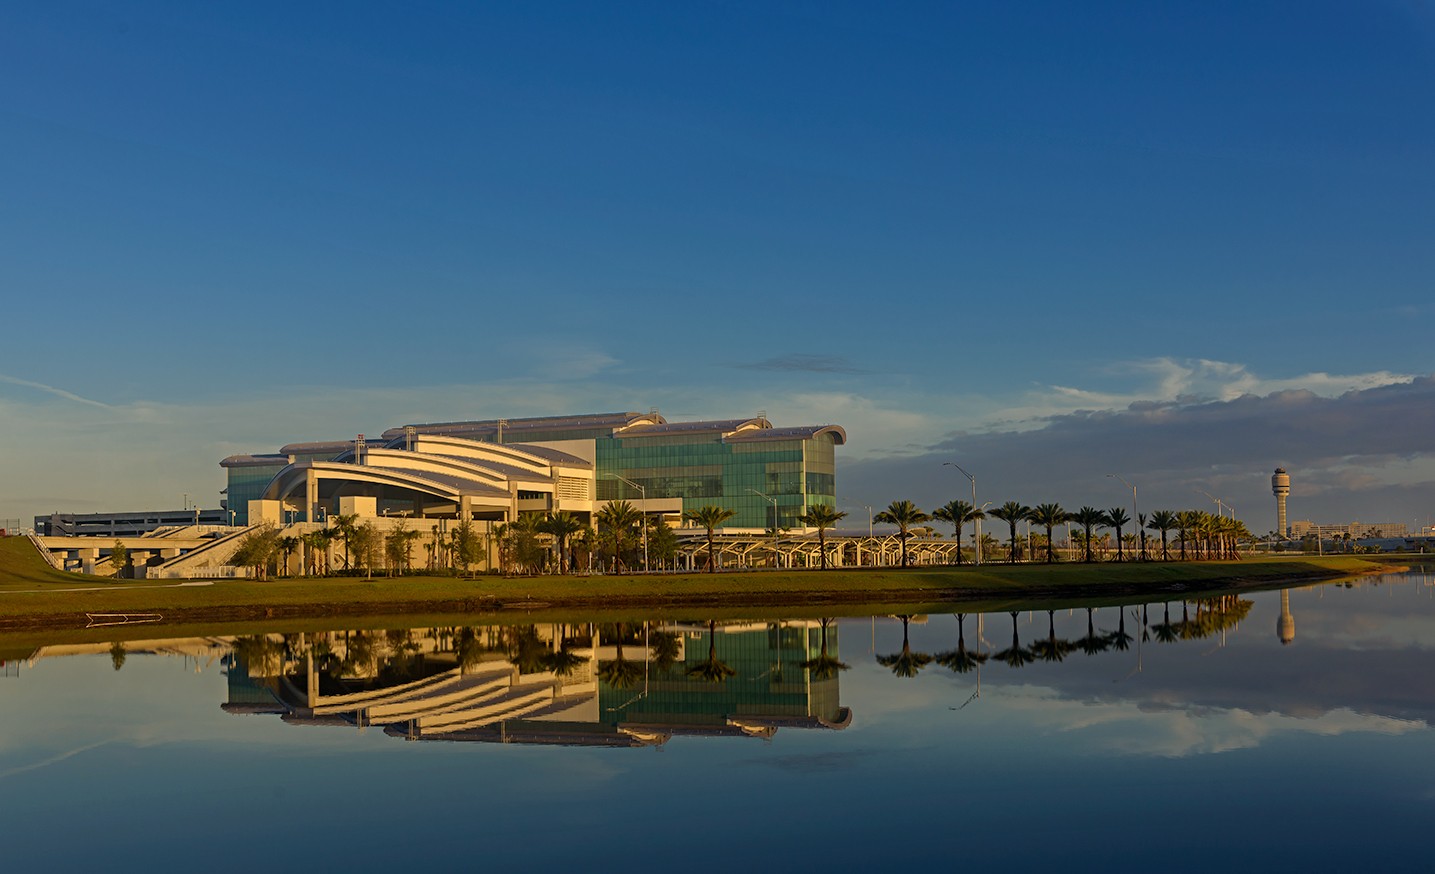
(621, 684)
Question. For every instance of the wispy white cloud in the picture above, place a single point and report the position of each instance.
(52, 390)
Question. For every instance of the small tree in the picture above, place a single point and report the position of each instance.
(662, 542)
(256, 550)
(466, 545)
(366, 545)
(120, 558)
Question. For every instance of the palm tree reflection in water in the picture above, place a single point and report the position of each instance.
(1016, 655)
(824, 666)
(905, 663)
(1093, 643)
(620, 672)
(961, 661)
(712, 669)
(1052, 649)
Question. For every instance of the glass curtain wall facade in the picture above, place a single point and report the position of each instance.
(247, 482)
(769, 680)
(704, 469)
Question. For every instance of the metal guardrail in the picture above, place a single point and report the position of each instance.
(49, 556)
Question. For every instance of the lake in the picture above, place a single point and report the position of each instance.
(1274, 730)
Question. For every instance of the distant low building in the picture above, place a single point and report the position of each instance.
(1355, 530)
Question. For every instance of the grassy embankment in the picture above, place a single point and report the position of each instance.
(35, 596)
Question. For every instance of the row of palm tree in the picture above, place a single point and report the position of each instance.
(1210, 536)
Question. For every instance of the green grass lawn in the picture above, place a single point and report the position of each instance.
(34, 595)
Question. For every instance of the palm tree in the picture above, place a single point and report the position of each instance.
(959, 660)
(1141, 527)
(1116, 518)
(618, 519)
(1016, 655)
(1186, 522)
(313, 542)
(905, 663)
(1088, 518)
(712, 670)
(345, 526)
(1163, 521)
(903, 514)
(958, 513)
(821, 517)
(562, 525)
(1048, 516)
(288, 545)
(824, 666)
(709, 518)
(1011, 513)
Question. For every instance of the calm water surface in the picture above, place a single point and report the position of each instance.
(1279, 730)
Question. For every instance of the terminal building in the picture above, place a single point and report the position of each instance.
(496, 469)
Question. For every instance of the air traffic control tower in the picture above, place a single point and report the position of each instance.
(1281, 487)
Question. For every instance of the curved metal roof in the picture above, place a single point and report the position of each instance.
(254, 461)
(799, 432)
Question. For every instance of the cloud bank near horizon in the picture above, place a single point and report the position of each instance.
(1364, 453)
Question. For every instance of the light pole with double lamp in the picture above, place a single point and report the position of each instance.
(976, 523)
(1135, 514)
(774, 524)
(643, 496)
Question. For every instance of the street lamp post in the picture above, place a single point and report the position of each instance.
(1220, 505)
(1135, 514)
(868, 508)
(643, 493)
(774, 524)
(976, 523)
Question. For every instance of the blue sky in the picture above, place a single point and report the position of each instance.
(949, 227)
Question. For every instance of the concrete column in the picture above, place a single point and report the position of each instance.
(465, 508)
(311, 495)
(88, 556)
